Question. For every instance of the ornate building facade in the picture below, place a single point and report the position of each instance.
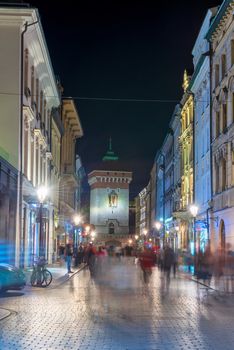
(69, 181)
(27, 72)
(109, 201)
(221, 38)
(186, 144)
(200, 86)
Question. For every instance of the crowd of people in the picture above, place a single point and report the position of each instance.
(204, 264)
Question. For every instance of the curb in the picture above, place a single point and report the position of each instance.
(4, 314)
(66, 278)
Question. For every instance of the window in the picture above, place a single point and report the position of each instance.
(37, 94)
(232, 52)
(217, 124)
(32, 87)
(41, 105)
(216, 178)
(111, 228)
(233, 107)
(224, 108)
(216, 75)
(223, 65)
(26, 72)
(224, 175)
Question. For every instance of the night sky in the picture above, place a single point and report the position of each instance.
(129, 50)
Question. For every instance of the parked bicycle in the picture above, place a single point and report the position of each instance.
(41, 277)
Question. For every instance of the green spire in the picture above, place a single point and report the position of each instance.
(110, 155)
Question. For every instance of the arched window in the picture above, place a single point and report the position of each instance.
(111, 228)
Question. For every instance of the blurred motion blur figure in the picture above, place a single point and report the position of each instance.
(146, 260)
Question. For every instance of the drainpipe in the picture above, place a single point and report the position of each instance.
(21, 234)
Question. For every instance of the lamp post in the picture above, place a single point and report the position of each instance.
(176, 238)
(76, 220)
(93, 235)
(145, 232)
(42, 193)
(158, 226)
(193, 210)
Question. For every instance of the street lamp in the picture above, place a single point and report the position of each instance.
(158, 225)
(93, 234)
(77, 219)
(87, 229)
(145, 232)
(42, 193)
(194, 210)
(136, 237)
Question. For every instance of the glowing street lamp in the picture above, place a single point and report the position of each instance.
(87, 229)
(145, 232)
(136, 237)
(194, 210)
(158, 225)
(77, 219)
(93, 234)
(42, 193)
(130, 241)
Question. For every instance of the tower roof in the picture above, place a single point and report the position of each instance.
(110, 154)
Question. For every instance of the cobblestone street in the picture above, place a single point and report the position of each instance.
(116, 311)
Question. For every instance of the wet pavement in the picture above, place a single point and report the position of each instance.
(117, 311)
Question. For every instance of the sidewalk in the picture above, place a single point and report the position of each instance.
(59, 274)
(218, 293)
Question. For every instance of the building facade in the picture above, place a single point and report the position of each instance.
(175, 126)
(200, 86)
(221, 38)
(109, 200)
(28, 79)
(69, 181)
(187, 186)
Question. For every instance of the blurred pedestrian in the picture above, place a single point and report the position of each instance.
(91, 259)
(61, 254)
(168, 260)
(146, 259)
(175, 263)
(68, 253)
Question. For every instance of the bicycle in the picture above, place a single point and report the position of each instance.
(41, 277)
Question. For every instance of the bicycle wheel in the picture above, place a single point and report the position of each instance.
(36, 279)
(47, 278)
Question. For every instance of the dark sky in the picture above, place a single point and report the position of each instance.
(129, 50)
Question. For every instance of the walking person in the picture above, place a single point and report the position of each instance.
(68, 253)
(168, 260)
(146, 262)
(91, 259)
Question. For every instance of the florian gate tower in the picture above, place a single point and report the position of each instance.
(109, 200)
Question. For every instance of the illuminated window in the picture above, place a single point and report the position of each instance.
(113, 199)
